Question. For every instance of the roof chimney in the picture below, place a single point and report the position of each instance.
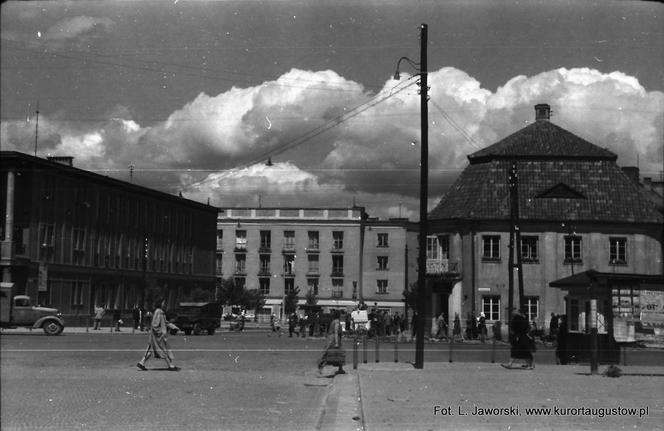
(542, 111)
(64, 160)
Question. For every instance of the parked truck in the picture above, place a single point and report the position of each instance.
(197, 317)
(17, 310)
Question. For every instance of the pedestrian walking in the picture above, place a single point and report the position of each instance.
(99, 314)
(274, 324)
(521, 343)
(333, 354)
(158, 340)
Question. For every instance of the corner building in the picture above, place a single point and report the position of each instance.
(577, 210)
(73, 239)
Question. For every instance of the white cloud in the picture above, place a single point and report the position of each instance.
(216, 145)
(70, 28)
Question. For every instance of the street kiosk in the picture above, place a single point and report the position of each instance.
(606, 311)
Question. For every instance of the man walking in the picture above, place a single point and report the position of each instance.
(158, 341)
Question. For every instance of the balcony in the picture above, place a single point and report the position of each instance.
(442, 267)
(264, 272)
(337, 294)
(337, 273)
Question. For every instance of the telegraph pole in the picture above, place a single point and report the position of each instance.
(37, 128)
(424, 184)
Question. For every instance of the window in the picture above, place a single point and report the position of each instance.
(220, 240)
(312, 285)
(240, 240)
(265, 264)
(313, 240)
(264, 286)
(240, 263)
(529, 249)
(46, 240)
(382, 263)
(266, 240)
(337, 265)
(337, 288)
(78, 288)
(338, 240)
(432, 247)
(313, 263)
(491, 247)
(78, 246)
(382, 240)
(289, 285)
(218, 263)
(531, 304)
(617, 251)
(381, 287)
(289, 240)
(289, 264)
(573, 249)
(491, 307)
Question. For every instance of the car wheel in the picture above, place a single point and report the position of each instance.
(211, 331)
(197, 329)
(51, 327)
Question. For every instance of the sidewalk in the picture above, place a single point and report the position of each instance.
(465, 396)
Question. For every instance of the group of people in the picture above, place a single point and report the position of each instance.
(140, 318)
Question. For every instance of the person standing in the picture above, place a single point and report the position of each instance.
(158, 340)
(333, 354)
(481, 327)
(553, 327)
(292, 323)
(99, 313)
(137, 315)
(561, 342)
(456, 329)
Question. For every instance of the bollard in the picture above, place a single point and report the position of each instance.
(355, 343)
(377, 349)
(364, 356)
(493, 351)
(86, 328)
(396, 349)
(451, 349)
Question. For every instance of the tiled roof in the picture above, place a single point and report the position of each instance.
(598, 189)
(542, 139)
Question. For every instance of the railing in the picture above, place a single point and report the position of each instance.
(441, 266)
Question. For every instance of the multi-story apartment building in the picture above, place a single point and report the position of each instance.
(74, 239)
(337, 253)
(577, 210)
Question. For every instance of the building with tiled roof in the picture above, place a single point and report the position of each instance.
(577, 210)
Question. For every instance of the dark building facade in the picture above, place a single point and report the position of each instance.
(73, 239)
(577, 210)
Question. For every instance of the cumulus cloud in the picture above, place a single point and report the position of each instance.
(332, 142)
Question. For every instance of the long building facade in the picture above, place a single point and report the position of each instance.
(339, 254)
(575, 210)
(73, 239)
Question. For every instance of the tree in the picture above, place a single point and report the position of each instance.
(231, 293)
(311, 298)
(290, 302)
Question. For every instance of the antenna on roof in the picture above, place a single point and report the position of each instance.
(37, 128)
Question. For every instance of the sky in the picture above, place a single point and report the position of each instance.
(194, 97)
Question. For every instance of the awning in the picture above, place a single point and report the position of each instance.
(607, 280)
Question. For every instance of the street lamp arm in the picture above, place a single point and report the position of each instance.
(412, 64)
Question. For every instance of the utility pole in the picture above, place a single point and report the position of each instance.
(424, 192)
(37, 129)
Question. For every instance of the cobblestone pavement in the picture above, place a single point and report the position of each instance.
(259, 381)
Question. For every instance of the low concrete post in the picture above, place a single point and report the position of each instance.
(493, 351)
(355, 344)
(451, 348)
(377, 349)
(364, 342)
(396, 349)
